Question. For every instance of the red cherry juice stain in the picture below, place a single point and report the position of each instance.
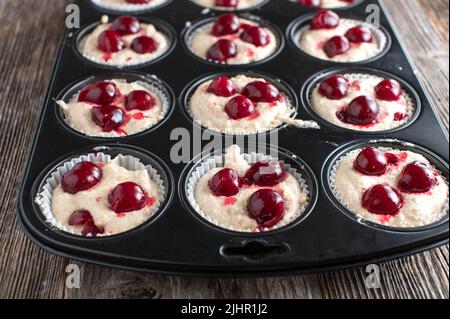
(120, 215)
(229, 201)
(151, 201)
(385, 219)
(254, 116)
(273, 104)
(399, 116)
(107, 57)
(356, 86)
(250, 53)
(98, 199)
(138, 116)
(121, 132)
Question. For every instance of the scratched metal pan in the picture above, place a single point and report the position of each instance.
(176, 240)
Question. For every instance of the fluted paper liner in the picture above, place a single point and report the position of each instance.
(218, 161)
(128, 7)
(44, 197)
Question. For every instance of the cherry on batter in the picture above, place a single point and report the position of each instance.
(383, 200)
(139, 100)
(109, 41)
(240, 107)
(225, 183)
(126, 25)
(127, 197)
(337, 45)
(256, 36)
(226, 24)
(144, 45)
(363, 110)
(222, 86)
(108, 117)
(81, 177)
(372, 162)
(265, 173)
(388, 90)
(226, 3)
(417, 177)
(335, 87)
(266, 207)
(99, 93)
(359, 34)
(325, 19)
(222, 50)
(260, 91)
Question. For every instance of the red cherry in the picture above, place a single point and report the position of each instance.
(266, 207)
(144, 44)
(311, 3)
(359, 35)
(417, 177)
(109, 41)
(226, 24)
(336, 45)
(140, 100)
(108, 117)
(240, 107)
(222, 50)
(260, 91)
(265, 173)
(127, 197)
(388, 90)
(363, 110)
(125, 25)
(81, 177)
(138, 1)
(335, 87)
(371, 162)
(325, 19)
(222, 86)
(225, 183)
(80, 217)
(383, 200)
(226, 3)
(90, 229)
(100, 93)
(256, 36)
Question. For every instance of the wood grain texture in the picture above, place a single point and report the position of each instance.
(28, 272)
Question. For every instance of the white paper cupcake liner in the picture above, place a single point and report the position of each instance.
(378, 33)
(410, 107)
(154, 88)
(217, 162)
(44, 197)
(336, 193)
(126, 7)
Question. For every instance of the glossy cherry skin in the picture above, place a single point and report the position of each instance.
(311, 3)
(359, 35)
(138, 1)
(225, 183)
(260, 91)
(90, 229)
(108, 117)
(325, 19)
(81, 177)
(144, 45)
(80, 217)
(125, 25)
(99, 93)
(256, 36)
(226, 3)
(139, 100)
(222, 50)
(109, 41)
(265, 173)
(383, 200)
(372, 162)
(222, 86)
(417, 177)
(336, 46)
(266, 207)
(240, 107)
(226, 24)
(363, 110)
(335, 87)
(388, 90)
(127, 197)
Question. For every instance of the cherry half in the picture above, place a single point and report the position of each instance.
(240, 107)
(99, 93)
(372, 162)
(260, 91)
(256, 36)
(81, 177)
(388, 90)
(108, 117)
(222, 50)
(109, 41)
(144, 45)
(125, 25)
(222, 86)
(325, 19)
(226, 3)
(363, 110)
(311, 3)
(337, 45)
(225, 183)
(226, 24)
(359, 35)
(265, 173)
(383, 200)
(127, 197)
(335, 87)
(417, 177)
(266, 207)
(84, 218)
(139, 100)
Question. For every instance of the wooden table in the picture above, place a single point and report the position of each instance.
(29, 37)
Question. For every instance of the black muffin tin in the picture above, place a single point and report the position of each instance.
(176, 240)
